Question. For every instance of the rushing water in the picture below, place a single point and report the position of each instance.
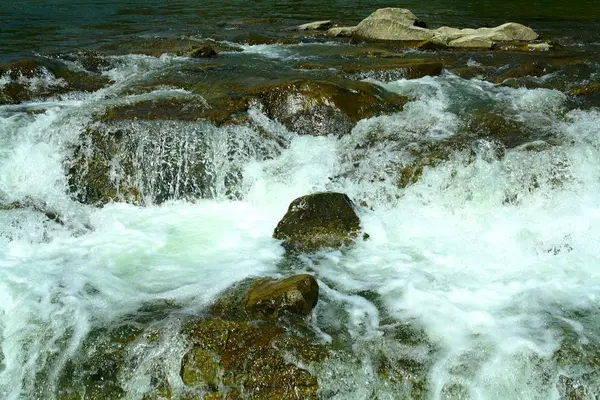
(494, 259)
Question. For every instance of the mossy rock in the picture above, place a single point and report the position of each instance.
(137, 163)
(55, 78)
(318, 221)
(188, 108)
(248, 358)
(532, 69)
(270, 297)
(201, 52)
(386, 69)
(590, 89)
(322, 108)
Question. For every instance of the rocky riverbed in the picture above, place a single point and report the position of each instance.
(390, 209)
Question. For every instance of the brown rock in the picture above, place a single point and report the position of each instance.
(297, 294)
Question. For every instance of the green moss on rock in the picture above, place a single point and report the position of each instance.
(318, 221)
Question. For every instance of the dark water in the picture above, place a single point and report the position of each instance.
(50, 26)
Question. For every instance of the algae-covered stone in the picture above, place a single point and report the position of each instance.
(28, 80)
(297, 294)
(318, 221)
(249, 358)
(322, 108)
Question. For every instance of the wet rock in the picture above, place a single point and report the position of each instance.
(395, 24)
(318, 221)
(323, 108)
(316, 26)
(270, 297)
(36, 205)
(385, 70)
(342, 31)
(590, 89)
(39, 79)
(247, 359)
(201, 52)
(534, 69)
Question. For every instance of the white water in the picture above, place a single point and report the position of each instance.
(496, 286)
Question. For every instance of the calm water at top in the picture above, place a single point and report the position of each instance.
(49, 26)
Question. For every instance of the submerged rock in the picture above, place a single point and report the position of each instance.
(201, 52)
(28, 80)
(297, 294)
(318, 221)
(385, 70)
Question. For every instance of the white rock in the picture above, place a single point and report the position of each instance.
(316, 26)
(342, 31)
(391, 24)
(472, 42)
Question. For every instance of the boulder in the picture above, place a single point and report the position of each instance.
(297, 294)
(316, 26)
(396, 24)
(201, 52)
(323, 108)
(318, 221)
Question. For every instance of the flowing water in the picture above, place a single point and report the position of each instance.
(493, 261)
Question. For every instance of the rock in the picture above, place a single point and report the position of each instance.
(28, 80)
(396, 24)
(316, 26)
(297, 294)
(587, 90)
(534, 69)
(472, 42)
(249, 359)
(201, 52)
(341, 31)
(324, 108)
(318, 221)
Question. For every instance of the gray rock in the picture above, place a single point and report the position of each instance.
(342, 31)
(316, 26)
(396, 24)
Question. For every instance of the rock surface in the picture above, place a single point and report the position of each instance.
(398, 24)
(392, 24)
(316, 26)
(318, 221)
(297, 294)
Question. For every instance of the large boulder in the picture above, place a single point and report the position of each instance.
(392, 24)
(399, 24)
(317, 221)
(323, 108)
